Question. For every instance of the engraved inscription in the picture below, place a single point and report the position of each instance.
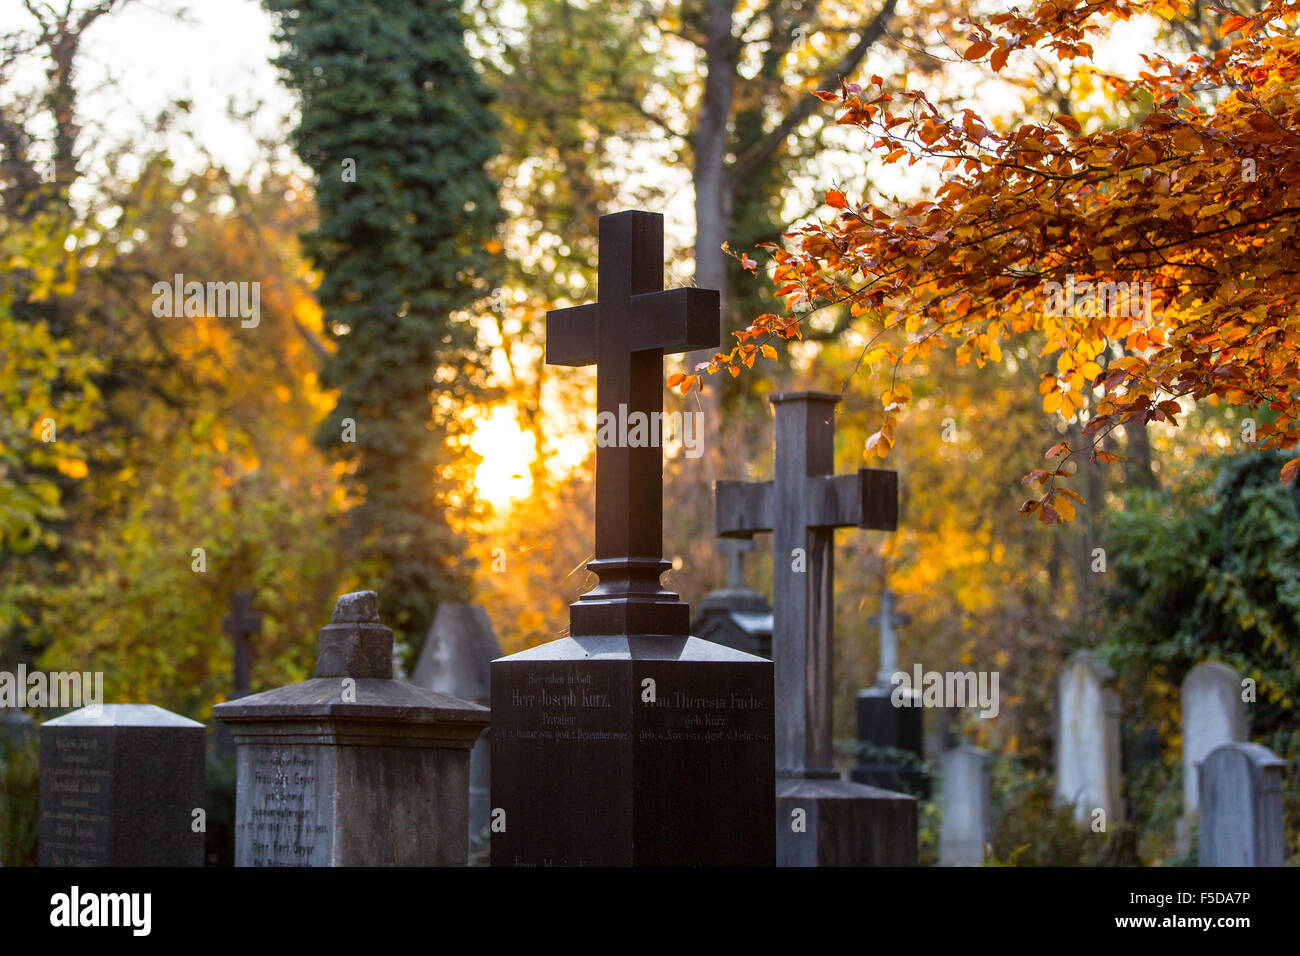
(565, 705)
(75, 824)
(282, 823)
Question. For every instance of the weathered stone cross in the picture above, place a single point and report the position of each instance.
(802, 507)
(886, 620)
(241, 623)
(626, 334)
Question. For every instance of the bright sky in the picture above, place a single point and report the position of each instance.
(213, 52)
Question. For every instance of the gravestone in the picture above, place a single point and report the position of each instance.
(967, 817)
(1087, 739)
(629, 742)
(120, 784)
(241, 624)
(1240, 820)
(735, 616)
(456, 660)
(1213, 715)
(351, 767)
(821, 819)
(890, 738)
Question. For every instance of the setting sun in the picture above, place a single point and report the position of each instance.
(502, 476)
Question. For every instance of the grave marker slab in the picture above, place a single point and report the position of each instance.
(967, 817)
(352, 768)
(1240, 820)
(802, 506)
(630, 742)
(456, 659)
(119, 787)
(1213, 715)
(1087, 739)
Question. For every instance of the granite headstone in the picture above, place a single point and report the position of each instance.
(630, 742)
(1213, 715)
(120, 784)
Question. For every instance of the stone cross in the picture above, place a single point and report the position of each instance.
(886, 620)
(626, 334)
(802, 506)
(241, 623)
(735, 549)
(627, 767)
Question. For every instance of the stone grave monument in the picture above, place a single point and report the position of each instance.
(890, 741)
(1087, 740)
(629, 742)
(121, 785)
(1240, 820)
(351, 767)
(967, 818)
(736, 616)
(821, 820)
(1213, 715)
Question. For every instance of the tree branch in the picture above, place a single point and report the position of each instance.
(762, 151)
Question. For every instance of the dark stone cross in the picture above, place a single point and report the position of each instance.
(626, 334)
(655, 747)
(735, 549)
(887, 731)
(846, 823)
(241, 623)
(802, 507)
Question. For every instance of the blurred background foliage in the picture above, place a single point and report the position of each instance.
(177, 434)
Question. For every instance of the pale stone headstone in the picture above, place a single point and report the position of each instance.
(120, 784)
(456, 659)
(352, 768)
(1240, 821)
(1213, 715)
(1087, 740)
(967, 818)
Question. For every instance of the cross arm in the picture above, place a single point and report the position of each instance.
(571, 336)
(741, 508)
(679, 320)
(868, 499)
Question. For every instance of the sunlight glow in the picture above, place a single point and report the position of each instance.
(507, 450)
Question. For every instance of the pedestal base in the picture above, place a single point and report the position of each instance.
(641, 751)
(823, 822)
